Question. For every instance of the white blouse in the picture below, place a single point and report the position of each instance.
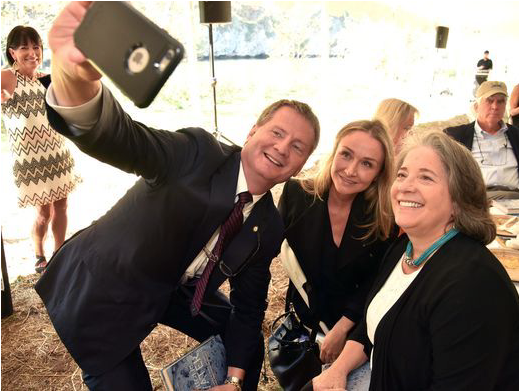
(390, 292)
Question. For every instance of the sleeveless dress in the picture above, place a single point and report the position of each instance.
(43, 166)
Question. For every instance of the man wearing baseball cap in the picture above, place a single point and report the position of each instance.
(494, 144)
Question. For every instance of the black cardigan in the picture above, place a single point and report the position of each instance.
(357, 260)
(456, 327)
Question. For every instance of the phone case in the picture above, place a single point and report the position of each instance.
(132, 51)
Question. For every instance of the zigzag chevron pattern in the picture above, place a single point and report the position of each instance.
(43, 169)
(18, 136)
(24, 81)
(47, 198)
(43, 166)
(36, 141)
(25, 104)
(37, 147)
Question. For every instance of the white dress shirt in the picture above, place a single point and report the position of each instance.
(85, 116)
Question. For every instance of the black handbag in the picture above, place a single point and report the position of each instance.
(293, 353)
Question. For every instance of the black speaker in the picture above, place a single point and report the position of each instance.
(442, 33)
(215, 11)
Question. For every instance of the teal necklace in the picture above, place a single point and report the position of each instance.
(425, 255)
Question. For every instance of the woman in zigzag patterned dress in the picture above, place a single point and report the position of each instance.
(43, 166)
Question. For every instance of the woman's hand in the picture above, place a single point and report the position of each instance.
(332, 379)
(334, 340)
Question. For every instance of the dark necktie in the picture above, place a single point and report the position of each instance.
(227, 231)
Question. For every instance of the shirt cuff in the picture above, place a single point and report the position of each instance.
(83, 117)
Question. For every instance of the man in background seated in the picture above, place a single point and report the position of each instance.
(494, 144)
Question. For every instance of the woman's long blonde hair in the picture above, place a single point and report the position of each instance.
(319, 180)
(393, 112)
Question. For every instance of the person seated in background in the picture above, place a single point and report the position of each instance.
(494, 144)
(399, 117)
(443, 313)
(339, 225)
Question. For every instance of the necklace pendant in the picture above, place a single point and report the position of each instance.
(408, 261)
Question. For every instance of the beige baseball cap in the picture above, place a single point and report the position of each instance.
(489, 88)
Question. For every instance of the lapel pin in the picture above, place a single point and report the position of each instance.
(255, 229)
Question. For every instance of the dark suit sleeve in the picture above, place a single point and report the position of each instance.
(360, 335)
(354, 304)
(129, 145)
(471, 329)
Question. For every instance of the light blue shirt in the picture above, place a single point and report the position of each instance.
(495, 157)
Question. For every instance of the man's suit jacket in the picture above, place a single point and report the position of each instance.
(454, 328)
(306, 221)
(109, 284)
(465, 135)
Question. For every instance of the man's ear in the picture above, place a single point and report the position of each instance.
(251, 132)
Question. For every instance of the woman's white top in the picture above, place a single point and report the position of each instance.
(390, 292)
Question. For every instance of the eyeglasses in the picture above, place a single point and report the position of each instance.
(494, 157)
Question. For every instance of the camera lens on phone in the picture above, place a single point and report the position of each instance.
(138, 59)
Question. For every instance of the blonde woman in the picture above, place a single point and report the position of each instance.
(338, 223)
(399, 117)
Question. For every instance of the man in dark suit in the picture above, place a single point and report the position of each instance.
(494, 144)
(143, 262)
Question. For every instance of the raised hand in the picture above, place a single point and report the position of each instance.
(75, 81)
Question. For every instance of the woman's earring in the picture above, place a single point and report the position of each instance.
(15, 65)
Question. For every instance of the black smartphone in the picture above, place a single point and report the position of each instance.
(137, 55)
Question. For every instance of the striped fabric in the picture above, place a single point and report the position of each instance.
(229, 229)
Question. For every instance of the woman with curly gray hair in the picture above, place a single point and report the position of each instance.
(442, 313)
